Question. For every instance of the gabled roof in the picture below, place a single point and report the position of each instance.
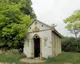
(53, 29)
(57, 33)
(40, 22)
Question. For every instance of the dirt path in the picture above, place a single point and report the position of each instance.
(35, 60)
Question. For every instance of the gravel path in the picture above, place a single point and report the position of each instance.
(35, 60)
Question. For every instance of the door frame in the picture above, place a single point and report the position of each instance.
(40, 46)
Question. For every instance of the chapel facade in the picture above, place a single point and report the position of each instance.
(42, 41)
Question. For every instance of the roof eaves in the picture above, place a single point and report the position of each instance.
(54, 30)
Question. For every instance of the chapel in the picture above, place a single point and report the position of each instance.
(42, 40)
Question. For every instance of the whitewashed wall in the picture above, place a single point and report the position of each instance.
(53, 43)
(44, 32)
(39, 25)
(28, 46)
(56, 44)
(46, 50)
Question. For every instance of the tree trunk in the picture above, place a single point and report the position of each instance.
(75, 33)
(76, 36)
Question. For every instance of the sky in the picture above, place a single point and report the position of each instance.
(55, 11)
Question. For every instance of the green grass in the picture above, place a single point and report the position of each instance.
(63, 58)
(11, 58)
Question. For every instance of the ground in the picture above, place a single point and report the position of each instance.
(63, 58)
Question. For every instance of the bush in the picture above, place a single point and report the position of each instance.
(17, 51)
(70, 44)
(14, 51)
(23, 55)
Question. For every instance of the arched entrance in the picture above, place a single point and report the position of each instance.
(36, 40)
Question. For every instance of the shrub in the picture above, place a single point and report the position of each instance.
(70, 44)
(23, 55)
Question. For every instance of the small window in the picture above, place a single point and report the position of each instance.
(28, 43)
(45, 42)
(36, 23)
(42, 25)
(30, 27)
(28, 40)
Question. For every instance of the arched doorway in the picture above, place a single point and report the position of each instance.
(36, 40)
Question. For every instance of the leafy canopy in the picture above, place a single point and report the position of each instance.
(73, 23)
(13, 22)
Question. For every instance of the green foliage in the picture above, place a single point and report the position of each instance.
(24, 6)
(70, 44)
(65, 58)
(11, 57)
(13, 23)
(73, 23)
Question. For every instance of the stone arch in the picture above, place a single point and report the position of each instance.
(36, 47)
(36, 36)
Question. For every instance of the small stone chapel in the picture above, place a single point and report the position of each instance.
(42, 40)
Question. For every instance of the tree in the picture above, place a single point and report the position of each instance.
(13, 24)
(73, 23)
(25, 7)
(69, 44)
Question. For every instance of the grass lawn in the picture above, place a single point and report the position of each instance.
(11, 58)
(63, 58)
